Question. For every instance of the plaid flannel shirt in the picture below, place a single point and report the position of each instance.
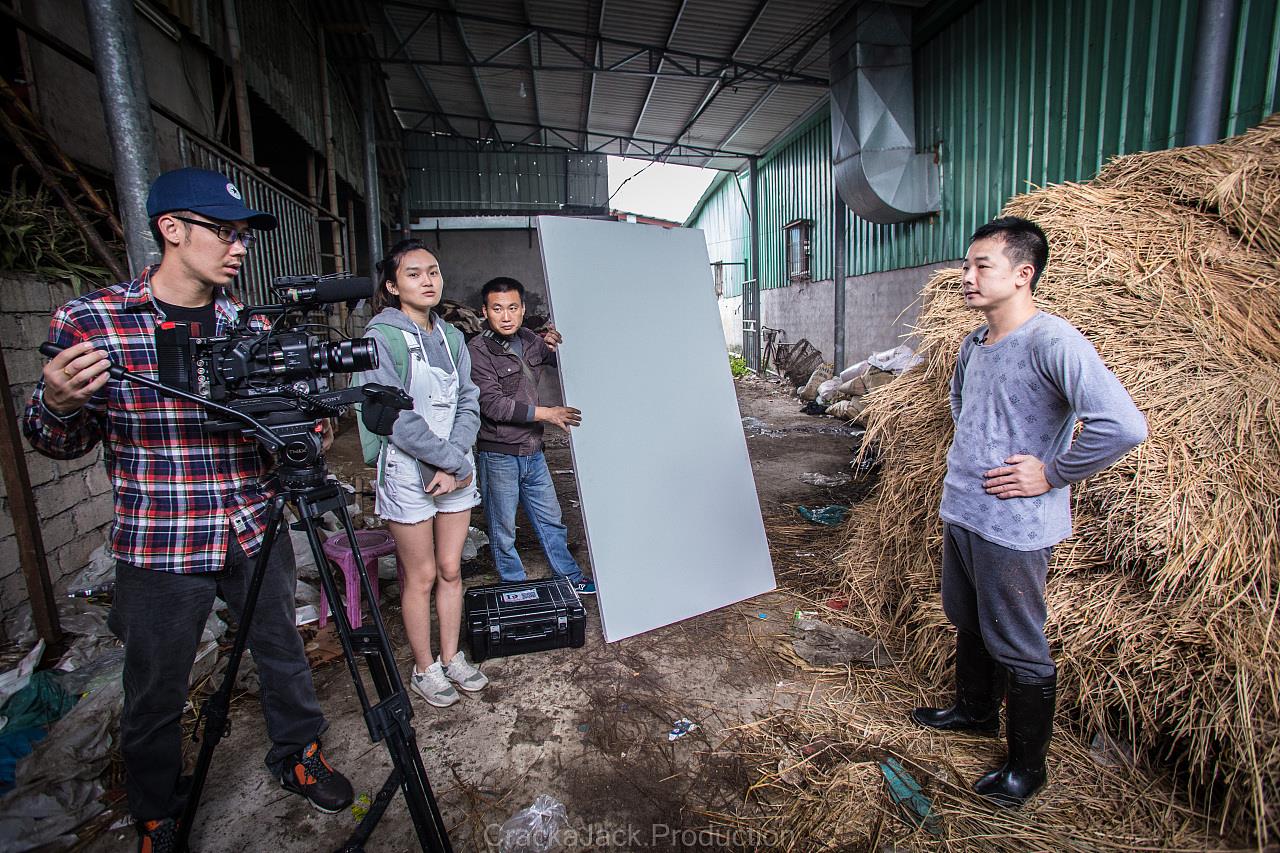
(179, 493)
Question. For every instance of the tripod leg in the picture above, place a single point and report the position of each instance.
(390, 719)
(215, 711)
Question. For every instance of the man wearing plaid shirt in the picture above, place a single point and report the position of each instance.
(191, 508)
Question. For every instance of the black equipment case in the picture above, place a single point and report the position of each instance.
(526, 616)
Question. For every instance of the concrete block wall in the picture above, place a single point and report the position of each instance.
(73, 497)
(880, 310)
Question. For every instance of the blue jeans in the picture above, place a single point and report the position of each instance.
(506, 481)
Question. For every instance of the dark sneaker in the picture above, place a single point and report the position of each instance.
(586, 586)
(307, 774)
(158, 836)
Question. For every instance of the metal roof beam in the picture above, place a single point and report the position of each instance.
(686, 63)
(732, 73)
(417, 28)
(537, 107)
(598, 54)
(653, 83)
(650, 147)
(768, 93)
(417, 72)
(714, 89)
(474, 63)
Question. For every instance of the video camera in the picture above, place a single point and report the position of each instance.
(273, 368)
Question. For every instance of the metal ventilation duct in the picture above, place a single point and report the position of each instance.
(873, 130)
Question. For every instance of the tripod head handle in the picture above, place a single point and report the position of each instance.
(272, 441)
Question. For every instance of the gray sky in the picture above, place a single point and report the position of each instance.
(664, 190)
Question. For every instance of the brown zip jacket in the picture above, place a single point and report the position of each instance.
(508, 391)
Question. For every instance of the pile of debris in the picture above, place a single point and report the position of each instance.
(844, 396)
(1162, 608)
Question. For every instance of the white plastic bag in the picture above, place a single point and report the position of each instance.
(535, 829)
(895, 360)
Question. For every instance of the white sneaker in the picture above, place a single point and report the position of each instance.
(464, 674)
(433, 686)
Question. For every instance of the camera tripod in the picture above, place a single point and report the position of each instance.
(302, 482)
(389, 719)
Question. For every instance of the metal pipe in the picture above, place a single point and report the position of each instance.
(122, 86)
(1215, 31)
(373, 199)
(838, 274)
(751, 335)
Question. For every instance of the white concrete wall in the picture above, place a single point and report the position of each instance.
(470, 258)
(880, 310)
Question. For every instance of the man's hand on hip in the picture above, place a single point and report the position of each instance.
(1022, 478)
(73, 376)
(562, 416)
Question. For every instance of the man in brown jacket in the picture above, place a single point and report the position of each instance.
(505, 359)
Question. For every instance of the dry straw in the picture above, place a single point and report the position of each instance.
(1163, 606)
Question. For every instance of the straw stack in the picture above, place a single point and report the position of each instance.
(1163, 607)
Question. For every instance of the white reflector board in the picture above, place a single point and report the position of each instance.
(668, 498)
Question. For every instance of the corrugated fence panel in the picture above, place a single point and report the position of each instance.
(1014, 96)
(448, 174)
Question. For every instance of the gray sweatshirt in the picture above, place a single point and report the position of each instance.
(411, 432)
(1024, 394)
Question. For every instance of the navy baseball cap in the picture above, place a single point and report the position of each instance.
(205, 192)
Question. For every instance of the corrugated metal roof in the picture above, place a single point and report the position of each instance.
(483, 71)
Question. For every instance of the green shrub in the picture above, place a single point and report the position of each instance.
(738, 366)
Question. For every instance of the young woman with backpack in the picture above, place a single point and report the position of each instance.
(426, 471)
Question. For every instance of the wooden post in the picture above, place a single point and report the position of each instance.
(26, 519)
(243, 120)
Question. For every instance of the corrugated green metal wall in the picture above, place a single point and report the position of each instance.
(1014, 95)
(446, 174)
(724, 219)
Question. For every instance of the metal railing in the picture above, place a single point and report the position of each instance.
(292, 248)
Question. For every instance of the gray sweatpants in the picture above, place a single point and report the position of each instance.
(998, 593)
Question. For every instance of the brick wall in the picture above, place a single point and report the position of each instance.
(73, 497)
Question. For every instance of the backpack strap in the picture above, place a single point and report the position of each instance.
(399, 350)
(398, 347)
(453, 339)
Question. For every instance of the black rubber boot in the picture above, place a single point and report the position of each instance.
(1030, 726)
(979, 691)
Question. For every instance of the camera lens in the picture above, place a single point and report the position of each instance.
(345, 356)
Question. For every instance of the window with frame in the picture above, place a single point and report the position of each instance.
(798, 249)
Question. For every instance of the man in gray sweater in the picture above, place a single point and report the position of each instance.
(1021, 383)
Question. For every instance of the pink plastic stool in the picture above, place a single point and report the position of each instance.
(373, 544)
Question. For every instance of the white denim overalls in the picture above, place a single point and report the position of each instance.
(402, 494)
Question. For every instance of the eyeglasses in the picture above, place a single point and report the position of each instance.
(225, 233)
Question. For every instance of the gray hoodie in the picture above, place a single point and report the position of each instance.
(411, 432)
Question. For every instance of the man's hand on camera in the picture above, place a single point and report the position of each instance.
(73, 376)
(562, 416)
(326, 435)
(552, 338)
(441, 484)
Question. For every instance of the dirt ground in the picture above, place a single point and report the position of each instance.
(586, 726)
